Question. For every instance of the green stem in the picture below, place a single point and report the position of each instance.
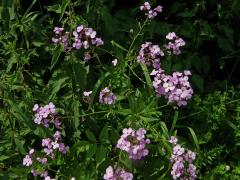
(184, 117)
(89, 114)
(135, 38)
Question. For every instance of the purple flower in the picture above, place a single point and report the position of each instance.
(182, 162)
(119, 173)
(87, 56)
(158, 9)
(175, 43)
(107, 97)
(190, 156)
(57, 136)
(114, 62)
(150, 54)
(87, 93)
(173, 140)
(27, 160)
(85, 37)
(145, 6)
(45, 115)
(134, 143)
(61, 37)
(47, 142)
(35, 107)
(192, 171)
(176, 87)
(42, 160)
(34, 173)
(151, 14)
(171, 35)
(57, 123)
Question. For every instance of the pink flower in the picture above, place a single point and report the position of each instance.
(182, 162)
(173, 140)
(35, 107)
(134, 143)
(150, 54)
(87, 56)
(149, 12)
(107, 97)
(171, 35)
(34, 173)
(175, 43)
(114, 62)
(119, 173)
(27, 161)
(176, 87)
(61, 37)
(87, 93)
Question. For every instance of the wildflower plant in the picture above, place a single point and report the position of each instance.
(124, 87)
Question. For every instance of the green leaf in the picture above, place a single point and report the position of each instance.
(11, 62)
(175, 117)
(19, 145)
(30, 7)
(41, 132)
(76, 113)
(97, 86)
(118, 45)
(8, 156)
(91, 151)
(164, 130)
(103, 137)
(125, 160)
(195, 139)
(56, 86)
(81, 146)
(186, 13)
(63, 9)
(198, 82)
(80, 74)
(55, 55)
(55, 8)
(114, 136)
(101, 155)
(147, 77)
(91, 136)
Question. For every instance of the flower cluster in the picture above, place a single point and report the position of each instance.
(45, 115)
(27, 160)
(50, 145)
(119, 173)
(151, 13)
(30, 158)
(61, 37)
(150, 54)
(107, 97)
(85, 37)
(43, 174)
(175, 43)
(182, 160)
(134, 143)
(176, 87)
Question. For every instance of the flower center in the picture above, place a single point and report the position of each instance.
(133, 140)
